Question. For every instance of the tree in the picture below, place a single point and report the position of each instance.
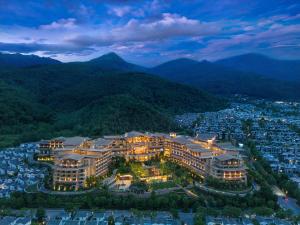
(284, 214)
(40, 214)
(111, 220)
(232, 211)
(263, 211)
(174, 213)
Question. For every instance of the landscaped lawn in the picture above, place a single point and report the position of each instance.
(138, 170)
(162, 185)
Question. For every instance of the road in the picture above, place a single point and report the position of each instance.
(286, 202)
(289, 203)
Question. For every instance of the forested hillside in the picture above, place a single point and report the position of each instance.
(86, 99)
(42, 98)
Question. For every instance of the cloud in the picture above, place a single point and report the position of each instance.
(120, 11)
(34, 47)
(272, 35)
(151, 28)
(116, 1)
(60, 24)
(167, 27)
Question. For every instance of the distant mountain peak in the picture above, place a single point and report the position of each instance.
(204, 61)
(111, 56)
(185, 60)
(112, 61)
(251, 55)
(176, 62)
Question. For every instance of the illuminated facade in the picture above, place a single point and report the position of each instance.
(76, 159)
(228, 167)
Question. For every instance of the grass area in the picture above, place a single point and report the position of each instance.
(138, 170)
(181, 175)
(162, 185)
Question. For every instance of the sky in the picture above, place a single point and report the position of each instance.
(152, 31)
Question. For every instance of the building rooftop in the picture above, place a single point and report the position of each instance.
(206, 136)
(7, 220)
(22, 221)
(54, 222)
(75, 141)
(197, 147)
(72, 156)
(134, 134)
(102, 142)
(225, 157)
(229, 146)
(182, 139)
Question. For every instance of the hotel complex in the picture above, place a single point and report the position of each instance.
(78, 158)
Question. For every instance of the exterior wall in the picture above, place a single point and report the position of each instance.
(188, 158)
(74, 173)
(228, 170)
(69, 173)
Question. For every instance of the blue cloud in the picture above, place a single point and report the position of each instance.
(144, 30)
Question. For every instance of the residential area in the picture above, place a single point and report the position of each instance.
(273, 125)
(133, 217)
(16, 174)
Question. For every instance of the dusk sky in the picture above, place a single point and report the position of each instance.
(150, 32)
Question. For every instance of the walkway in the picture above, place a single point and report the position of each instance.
(50, 192)
(227, 193)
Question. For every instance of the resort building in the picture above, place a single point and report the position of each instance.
(74, 165)
(77, 159)
(228, 167)
(46, 146)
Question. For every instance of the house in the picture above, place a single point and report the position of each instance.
(264, 220)
(82, 215)
(54, 222)
(22, 221)
(247, 221)
(64, 215)
(72, 222)
(213, 221)
(7, 220)
(98, 216)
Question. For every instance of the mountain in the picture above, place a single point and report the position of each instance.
(80, 99)
(260, 64)
(114, 62)
(19, 60)
(223, 80)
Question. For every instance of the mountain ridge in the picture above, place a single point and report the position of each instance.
(264, 65)
(220, 77)
(21, 60)
(223, 80)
